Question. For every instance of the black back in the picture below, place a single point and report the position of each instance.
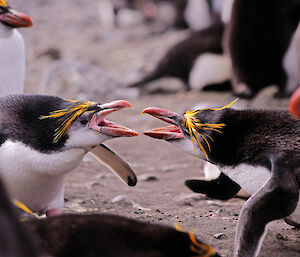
(179, 59)
(109, 236)
(260, 32)
(20, 120)
(252, 136)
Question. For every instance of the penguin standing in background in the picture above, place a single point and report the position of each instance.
(45, 137)
(257, 150)
(12, 50)
(202, 51)
(92, 235)
(260, 42)
(198, 60)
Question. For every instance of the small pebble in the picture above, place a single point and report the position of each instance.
(220, 236)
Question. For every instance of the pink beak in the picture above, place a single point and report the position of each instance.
(169, 132)
(104, 126)
(16, 19)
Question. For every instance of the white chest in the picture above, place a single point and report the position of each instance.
(250, 178)
(33, 177)
(12, 62)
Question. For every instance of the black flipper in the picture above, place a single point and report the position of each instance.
(222, 188)
(275, 200)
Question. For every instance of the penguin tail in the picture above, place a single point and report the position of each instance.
(222, 188)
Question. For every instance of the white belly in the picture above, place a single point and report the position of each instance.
(12, 64)
(250, 178)
(35, 178)
(209, 69)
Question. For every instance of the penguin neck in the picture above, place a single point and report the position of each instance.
(12, 63)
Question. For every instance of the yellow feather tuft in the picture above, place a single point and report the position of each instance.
(178, 227)
(200, 248)
(68, 115)
(22, 206)
(3, 3)
(195, 126)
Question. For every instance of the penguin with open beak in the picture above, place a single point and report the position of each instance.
(111, 235)
(257, 150)
(12, 49)
(45, 137)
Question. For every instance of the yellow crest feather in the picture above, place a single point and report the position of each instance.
(68, 115)
(200, 248)
(195, 126)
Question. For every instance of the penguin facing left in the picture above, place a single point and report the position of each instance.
(112, 236)
(12, 49)
(198, 61)
(45, 137)
(257, 150)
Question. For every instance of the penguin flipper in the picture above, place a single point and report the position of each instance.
(115, 163)
(221, 188)
(277, 199)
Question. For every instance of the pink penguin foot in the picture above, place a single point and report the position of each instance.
(53, 212)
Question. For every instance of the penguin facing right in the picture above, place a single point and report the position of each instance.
(258, 150)
(112, 236)
(42, 138)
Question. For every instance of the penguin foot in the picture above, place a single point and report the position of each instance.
(222, 188)
(53, 212)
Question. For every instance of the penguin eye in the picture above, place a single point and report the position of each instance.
(3, 9)
(84, 120)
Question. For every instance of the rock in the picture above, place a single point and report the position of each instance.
(147, 177)
(86, 82)
(122, 200)
(281, 237)
(191, 196)
(219, 236)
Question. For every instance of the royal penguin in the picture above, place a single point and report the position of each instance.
(110, 235)
(198, 61)
(45, 137)
(261, 44)
(257, 150)
(12, 50)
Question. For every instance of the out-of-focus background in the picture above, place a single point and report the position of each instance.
(93, 50)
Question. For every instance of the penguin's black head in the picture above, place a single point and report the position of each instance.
(13, 18)
(48, 123)
(189, 129)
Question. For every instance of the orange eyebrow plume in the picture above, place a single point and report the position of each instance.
(196, 127)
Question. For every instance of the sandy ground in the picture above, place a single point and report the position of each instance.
(72, 27)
